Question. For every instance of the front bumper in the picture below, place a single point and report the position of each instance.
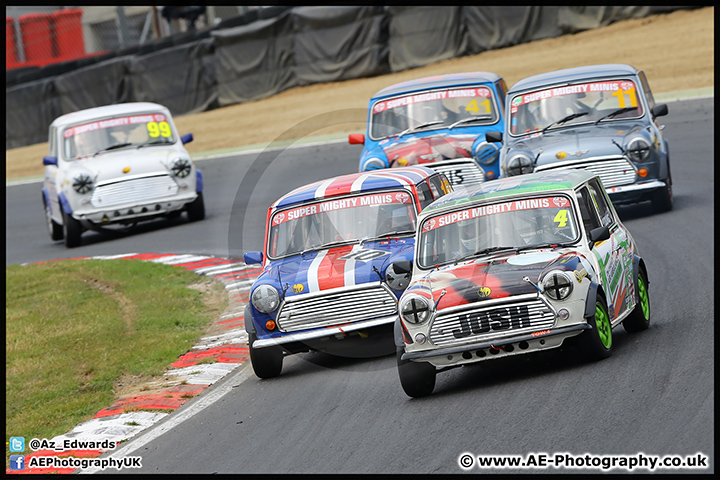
(635, 192)
(323, 332)
(134, 211)
(471, 353)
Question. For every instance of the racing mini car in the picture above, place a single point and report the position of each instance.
(518, 265)
(117, 165)
(439, 122)
(602, 118)
(326, 283)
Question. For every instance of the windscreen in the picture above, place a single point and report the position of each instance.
(471, 106)
(117, 132)
(572, 104)
(464, 233)
(341, 220)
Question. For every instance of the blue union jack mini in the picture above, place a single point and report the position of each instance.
(326, 283)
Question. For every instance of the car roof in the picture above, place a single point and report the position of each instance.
(570, 75)
(355, 182)
(437, 81)
(541, 182)
(107, 111)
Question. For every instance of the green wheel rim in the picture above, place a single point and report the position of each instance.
(602, 324)
(644, 299)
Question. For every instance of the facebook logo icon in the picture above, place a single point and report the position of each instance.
(17, 462)
(17, 444)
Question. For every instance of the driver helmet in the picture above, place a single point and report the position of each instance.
(470, 236)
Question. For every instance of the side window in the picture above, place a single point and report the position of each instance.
(440, 185)
(502, 91)
(587, 210)
(598, 193)
(52, 151)
(424, 194)
(646, 89)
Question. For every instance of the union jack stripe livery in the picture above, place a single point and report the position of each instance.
(327, 262)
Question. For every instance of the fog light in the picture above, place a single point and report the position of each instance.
(157, 207)
(116, 213)
(420, 338)
(143, 210)
(643, 172)
(130, 212)
(105, 219)
(490, 175)
(563, 314)
(270, 325)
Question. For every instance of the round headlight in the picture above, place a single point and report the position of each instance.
(557, 285)
(519, 164)
(396, 281)
(487, 153)
(265, 298)
(373, 164)
(181, 167)
(82, 183)
(638, 149)
(415, 309)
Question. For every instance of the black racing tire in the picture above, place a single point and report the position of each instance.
(597, 342)
(266, 362)
(54, 228)
(417, 378)
(662, 199)
(72, 230)
(196, 209)
(639, 318)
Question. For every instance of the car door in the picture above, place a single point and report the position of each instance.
(618, 281)
(51, 172)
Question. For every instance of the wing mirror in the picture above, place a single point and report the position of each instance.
(356, 139)
(49, 160)
(402, 266)
(599, 234)
(187, 138)
(494, 137)
(660, 110)
(251, 258)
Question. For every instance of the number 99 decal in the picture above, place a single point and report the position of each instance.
(156, 129)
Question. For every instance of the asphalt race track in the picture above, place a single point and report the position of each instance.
(327, 414)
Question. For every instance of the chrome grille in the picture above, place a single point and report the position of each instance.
(338, 306)
(133, 191)
(460, 173)
(466, 325)
(612, 171)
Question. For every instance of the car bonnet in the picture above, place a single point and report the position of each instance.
(497, 276)
(344, 266)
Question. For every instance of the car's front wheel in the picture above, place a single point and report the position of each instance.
(54, 228)
(72, 230)
(597, 342)
(662, 199)
(639, 318)
(417, 378)
(266, 362)
(196, 209)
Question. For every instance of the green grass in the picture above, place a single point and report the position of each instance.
(73, 328)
